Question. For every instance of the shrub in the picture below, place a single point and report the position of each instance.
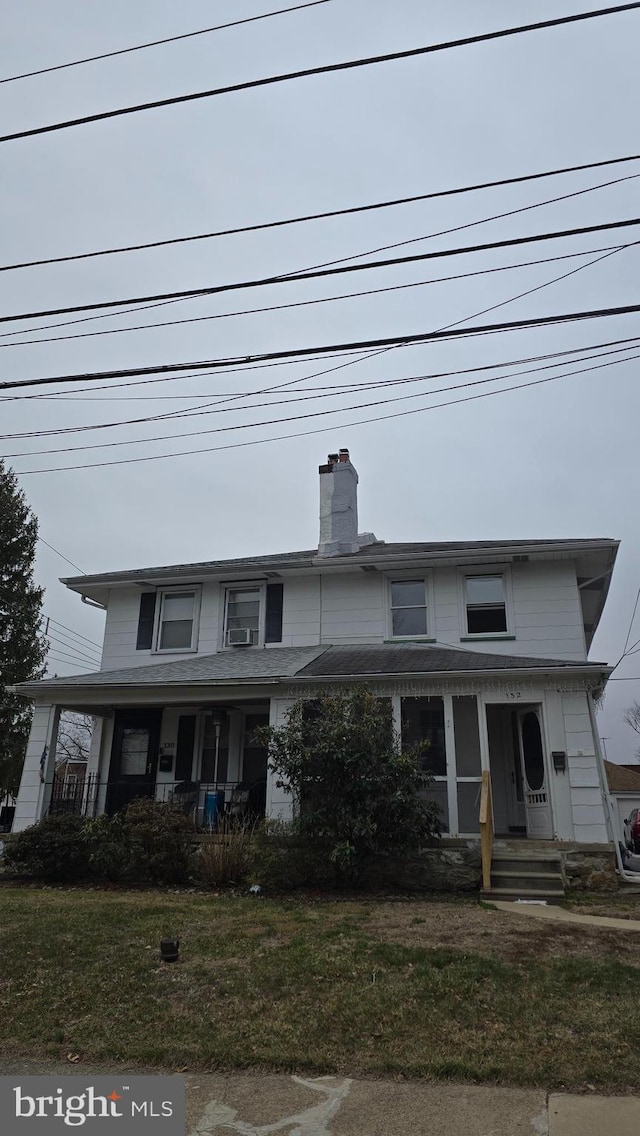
(283, 859)
(109, 851)
(159, 841)
(360, 792)
(54, 850)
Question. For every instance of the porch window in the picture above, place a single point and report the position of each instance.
(177, 622)
(242, 616)
(486, 605)
(408, 608)
(466, 732)
(423, 724)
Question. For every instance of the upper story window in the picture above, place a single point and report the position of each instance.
(408, 608)
(253, 615)
(177, 620)
(486, 605)
(242, 616)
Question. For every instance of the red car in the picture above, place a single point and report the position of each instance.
(632, 830)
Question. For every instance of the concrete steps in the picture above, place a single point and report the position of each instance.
(525, 874)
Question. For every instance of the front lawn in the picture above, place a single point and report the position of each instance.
(421, 989)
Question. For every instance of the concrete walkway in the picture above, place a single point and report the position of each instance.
(560, 914)
(255, 1105)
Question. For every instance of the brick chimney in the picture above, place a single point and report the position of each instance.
(339, 508)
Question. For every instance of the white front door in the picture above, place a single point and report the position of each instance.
(534, 774)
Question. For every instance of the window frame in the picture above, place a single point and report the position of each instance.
(162, 594)
(259, 586)
(425, 578)
(502, 570)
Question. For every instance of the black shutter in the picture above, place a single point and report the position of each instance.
(184, 747)
(273, 620)
(145, 621)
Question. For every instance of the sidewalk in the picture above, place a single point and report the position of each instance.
(255, 1105)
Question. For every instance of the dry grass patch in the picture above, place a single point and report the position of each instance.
(473, 928)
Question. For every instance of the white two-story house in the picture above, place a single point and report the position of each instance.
(480, 646)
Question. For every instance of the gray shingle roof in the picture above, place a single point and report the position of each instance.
(378, 551)
(412, 658)
(226, 666)
(255, 665)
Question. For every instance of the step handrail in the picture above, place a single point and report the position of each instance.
(486, 828)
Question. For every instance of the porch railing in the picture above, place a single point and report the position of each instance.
(486, 828)
(207, 803)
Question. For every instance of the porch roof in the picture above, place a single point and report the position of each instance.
(259, 665)
(414, 658)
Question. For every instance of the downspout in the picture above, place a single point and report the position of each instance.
(630, 877)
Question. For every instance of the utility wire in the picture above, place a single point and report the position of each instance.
(330, 68)
(351, 387)
(315, 413)
(71, 631)
(64, 646)
(306, 433)
(390, 204)
(160, 42)
(61, 656)
(213, 407)
(293, 277)
(61, 555)
(300, 303)
(305, 352)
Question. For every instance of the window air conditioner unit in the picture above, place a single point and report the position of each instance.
(239, 637)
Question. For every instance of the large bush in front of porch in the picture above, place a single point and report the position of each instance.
(148, 843)
(359, 794)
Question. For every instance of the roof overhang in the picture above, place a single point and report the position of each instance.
(181, 693)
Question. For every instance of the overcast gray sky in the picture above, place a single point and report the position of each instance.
(549, 461)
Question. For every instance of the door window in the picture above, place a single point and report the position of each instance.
(134, 752)
(532, 751)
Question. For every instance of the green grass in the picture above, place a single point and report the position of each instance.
(304, 985)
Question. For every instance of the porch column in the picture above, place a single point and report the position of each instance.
(279, 805)
(450, 750)
(34, 793)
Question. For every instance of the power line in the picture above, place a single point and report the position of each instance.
(306, 303)
(205, 407)
(360, 345)
(307, 433)
(299, 417)
(293, 304)
(160, 42)
(366, 384)
(330, 68)
(72, 632)
(297, 276)
(78, 653)
(389, 204)
(61, 555)
(68, 660)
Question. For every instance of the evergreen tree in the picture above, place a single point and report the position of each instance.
(22, 644)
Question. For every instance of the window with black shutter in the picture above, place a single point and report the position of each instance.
(145, 621)
(273, 617)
